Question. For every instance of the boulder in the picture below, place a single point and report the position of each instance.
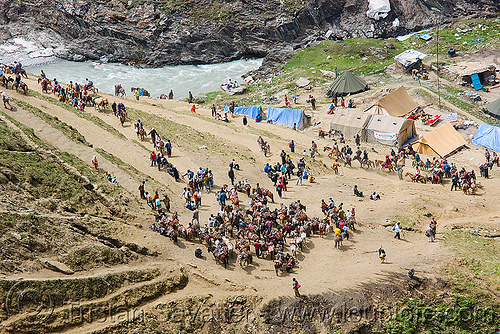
(302, 82)
(58, 267)
(328, 74)
(78, 58)
(234, 91)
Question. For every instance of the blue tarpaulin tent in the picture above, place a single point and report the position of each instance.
(287, 117)
(252, 111)
(487, 136)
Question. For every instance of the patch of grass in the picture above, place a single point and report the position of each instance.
(140, 144)
(477, 260)
(79, 258)
(171, 130)
(137, 174)
(11, 140)
(463, 314)
(55, 122)
(94, 177)
(487, 29)
(215, 11)
(63, 291)
(449, 94)
(42, 178)
(212, 97)
(360, 55)
(85, 115)
(28, 132)
(470, 307)
(191, 138)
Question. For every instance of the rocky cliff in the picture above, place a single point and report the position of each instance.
(160, 32)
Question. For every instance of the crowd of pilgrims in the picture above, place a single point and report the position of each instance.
(275, 234)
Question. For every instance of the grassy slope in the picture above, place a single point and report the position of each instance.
(473, 303)
(30, 180)
(371, 57)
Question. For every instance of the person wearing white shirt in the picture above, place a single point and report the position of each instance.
(5, 99)
(397, 230)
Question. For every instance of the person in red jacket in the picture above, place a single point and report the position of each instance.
(152, 158)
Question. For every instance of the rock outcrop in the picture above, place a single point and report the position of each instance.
(155, 33)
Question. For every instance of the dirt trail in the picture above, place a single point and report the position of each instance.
(321, 267)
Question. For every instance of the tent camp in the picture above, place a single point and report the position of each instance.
(347, 83)
(493, 108)
(388, 130)
(252, 111)
(397, 103)
(487, 136)
(288, 117)
(350, 122)
(441, 142)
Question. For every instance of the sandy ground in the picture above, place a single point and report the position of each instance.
(322, 268)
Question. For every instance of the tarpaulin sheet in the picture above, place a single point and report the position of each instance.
(476, 82)
(487, 136)
(252, 111)
(287, 117)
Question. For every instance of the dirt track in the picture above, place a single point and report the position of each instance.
(321, 268)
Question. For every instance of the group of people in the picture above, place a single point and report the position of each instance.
(17, 82)
(170, 95)
(78, 95)
(230, 85)
(219, 114)
(161, 150)
(281, 172)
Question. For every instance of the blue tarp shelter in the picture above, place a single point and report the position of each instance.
(487, 136)
(252, 111)
(476, 82)
(288, 117)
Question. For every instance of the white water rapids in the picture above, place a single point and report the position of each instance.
(183, 78)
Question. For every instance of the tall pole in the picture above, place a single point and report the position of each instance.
(437, 61)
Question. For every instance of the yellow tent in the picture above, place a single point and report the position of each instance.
(441, 142)
(398, 103)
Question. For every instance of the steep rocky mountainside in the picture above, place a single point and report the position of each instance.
(159, 32)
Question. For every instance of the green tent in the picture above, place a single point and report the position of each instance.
(494, 108)
(347, 83)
